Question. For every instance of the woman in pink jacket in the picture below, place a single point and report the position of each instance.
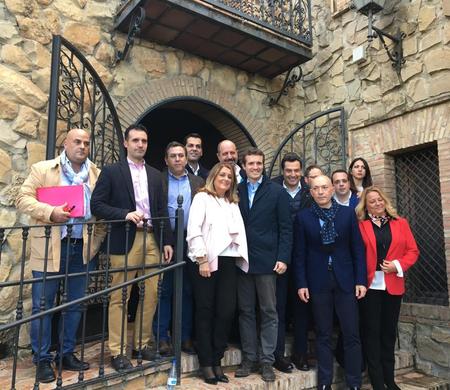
(216, 245)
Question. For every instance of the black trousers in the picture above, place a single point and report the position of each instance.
(379, 316)
(215, 305)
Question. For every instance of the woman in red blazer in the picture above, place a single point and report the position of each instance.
(390, 250)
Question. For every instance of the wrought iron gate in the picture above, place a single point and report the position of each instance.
(321, 140)
(419, 200)
(78, 98)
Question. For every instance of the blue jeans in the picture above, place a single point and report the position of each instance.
(165, 307)
(75, 290)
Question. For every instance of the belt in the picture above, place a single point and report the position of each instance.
(73, 241)
(141, 229)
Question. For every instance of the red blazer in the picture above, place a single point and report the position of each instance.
(403, 248)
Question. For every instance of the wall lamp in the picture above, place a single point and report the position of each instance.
(369, 8)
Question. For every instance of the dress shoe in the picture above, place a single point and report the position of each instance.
(246, 368)
(267, 373)
(393, 386)
(188, 347)
(208, 375)
(120, 363)
(45, 373)
(220, 376)
(324, 387)
(165, 349)
(301, 363)
(146, 353)
(283, 364)
(70, 362)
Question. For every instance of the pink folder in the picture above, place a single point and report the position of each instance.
(57, 196)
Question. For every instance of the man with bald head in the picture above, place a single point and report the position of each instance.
(71, 168)
(330, 270)
(227, 152)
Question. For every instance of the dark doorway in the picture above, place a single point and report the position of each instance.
(172, 120)
(172, 124)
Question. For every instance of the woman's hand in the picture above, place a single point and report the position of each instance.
(388, 267)
(204, 270)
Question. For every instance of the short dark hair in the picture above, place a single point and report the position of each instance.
(253, 152)
(175, 144)
(310, 168)
(192, 135)
(340, 171)
(291, 157)
(135, 126)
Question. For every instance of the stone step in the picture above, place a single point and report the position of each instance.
(295, 381)
(418, 381)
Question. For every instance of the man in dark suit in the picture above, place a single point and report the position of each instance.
(194, 148)
(330, 269)
(295, 185)
(176, 181)
(342, 192)
(132, 190)
(264, 207)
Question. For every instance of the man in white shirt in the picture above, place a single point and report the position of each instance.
(193, 143)
(342, 193)
(227, 152)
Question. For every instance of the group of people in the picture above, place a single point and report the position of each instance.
(274, 249)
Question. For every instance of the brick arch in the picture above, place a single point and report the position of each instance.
(157, 92)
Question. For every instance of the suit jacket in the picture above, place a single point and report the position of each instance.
(304, 195)
(48, 174)
(202, 171)
(113, 198)
(268, 226)
(403, 248)
(311, 261)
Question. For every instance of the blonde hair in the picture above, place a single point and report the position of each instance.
(361, 209)
(231, 194)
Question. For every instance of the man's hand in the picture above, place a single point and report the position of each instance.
(388, 267)
(303, 294)
(135, 216)
(280, 267)
(168, 253)
(59, 214)
(360, 291)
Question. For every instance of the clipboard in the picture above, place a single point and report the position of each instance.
(58, 195)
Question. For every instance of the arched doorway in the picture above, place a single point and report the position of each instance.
(173, 119)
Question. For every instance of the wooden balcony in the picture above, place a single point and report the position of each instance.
(267, 37)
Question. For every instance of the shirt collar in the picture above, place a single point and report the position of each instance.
(299, 187)
(255, 184)
(195, 171)
(178, 178)
(137, 165)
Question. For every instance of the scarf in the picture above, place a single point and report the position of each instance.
(77, 178)
(327, 231)
(379, 220)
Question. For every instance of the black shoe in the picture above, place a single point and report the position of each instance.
(45, 373)
(188, 347)
(267, 373)
(301, 363)
(208, 375)
(283, 364)
(220, 376)
(70, 362)
(392, 386)
(324, 387)
(246, 368)
(165, 349)
(120, 363)
(146, 353)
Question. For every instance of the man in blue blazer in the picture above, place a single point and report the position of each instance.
(330, 269)
(342, 192)
(265, 210)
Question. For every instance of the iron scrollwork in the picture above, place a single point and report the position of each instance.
(134, 29)
(292, 78)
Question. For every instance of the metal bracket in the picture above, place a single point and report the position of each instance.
(134, 28)
(396, 55)
(292, 77)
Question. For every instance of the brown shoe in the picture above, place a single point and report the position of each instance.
(165, 349)
(188, 347)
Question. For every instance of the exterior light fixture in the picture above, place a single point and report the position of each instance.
(369, 8)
